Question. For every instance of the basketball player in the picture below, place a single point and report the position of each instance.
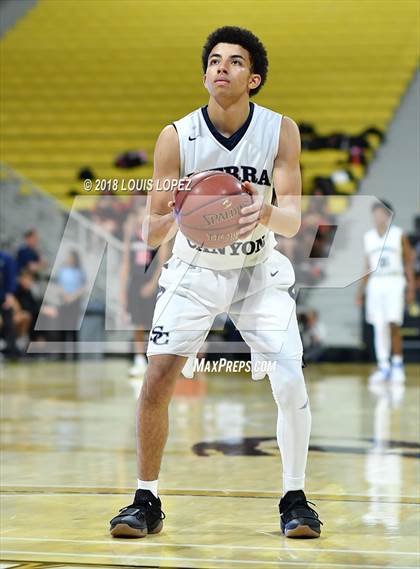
(388, 257)
(262, 149)
(137, 284)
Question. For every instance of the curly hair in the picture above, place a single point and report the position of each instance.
(247, 40)
(384, 205)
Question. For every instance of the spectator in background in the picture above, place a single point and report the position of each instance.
(71, 281)
(131, 159)
(110, 214)
(27, 300)
(415, 244)
(323, 186)
(312, 241)
(313, 336)
(28, 255)
(316, 214)
(7, 288)
(311, 140)
(139, 284)
(357, 156)
(22, 324)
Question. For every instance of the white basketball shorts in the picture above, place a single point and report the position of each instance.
(385, 299)
(259, 300)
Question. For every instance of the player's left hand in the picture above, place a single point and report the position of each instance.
(252, 214)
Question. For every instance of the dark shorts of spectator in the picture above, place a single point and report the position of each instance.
(140, 308)
(69, 316)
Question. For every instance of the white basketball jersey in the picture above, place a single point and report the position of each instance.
(249, 155)
(384, 253)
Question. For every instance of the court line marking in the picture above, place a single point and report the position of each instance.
(215, 546)
(348, 497)
(216, 561)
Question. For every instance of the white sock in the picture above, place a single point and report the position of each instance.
(397, 360)
(139, 359)
(188, 369)
(293, 422)
(151, 485)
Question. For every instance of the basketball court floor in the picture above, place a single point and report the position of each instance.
(68, 465)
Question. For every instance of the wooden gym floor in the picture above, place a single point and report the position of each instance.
(68, 465)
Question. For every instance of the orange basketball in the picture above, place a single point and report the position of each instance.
(208, 208)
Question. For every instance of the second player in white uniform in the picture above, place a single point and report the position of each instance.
(388, 262)
(386, 284)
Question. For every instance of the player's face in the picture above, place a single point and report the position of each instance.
(380, 218)
(228, 73)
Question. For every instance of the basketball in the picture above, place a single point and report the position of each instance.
(208, 208)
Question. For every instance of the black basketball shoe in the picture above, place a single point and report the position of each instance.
(297, 518)
(143, 516)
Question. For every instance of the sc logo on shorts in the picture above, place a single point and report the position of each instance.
(158, 336)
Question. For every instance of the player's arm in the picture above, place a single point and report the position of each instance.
(408, 267)
(362, 284)
(285, 218)
(159, 225)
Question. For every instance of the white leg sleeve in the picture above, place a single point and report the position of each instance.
(294, 421)
(382, 339)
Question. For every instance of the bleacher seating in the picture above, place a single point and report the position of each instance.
(82, 81)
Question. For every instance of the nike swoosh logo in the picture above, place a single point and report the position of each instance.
(274, 274)
(306, 404)
(189, 138)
